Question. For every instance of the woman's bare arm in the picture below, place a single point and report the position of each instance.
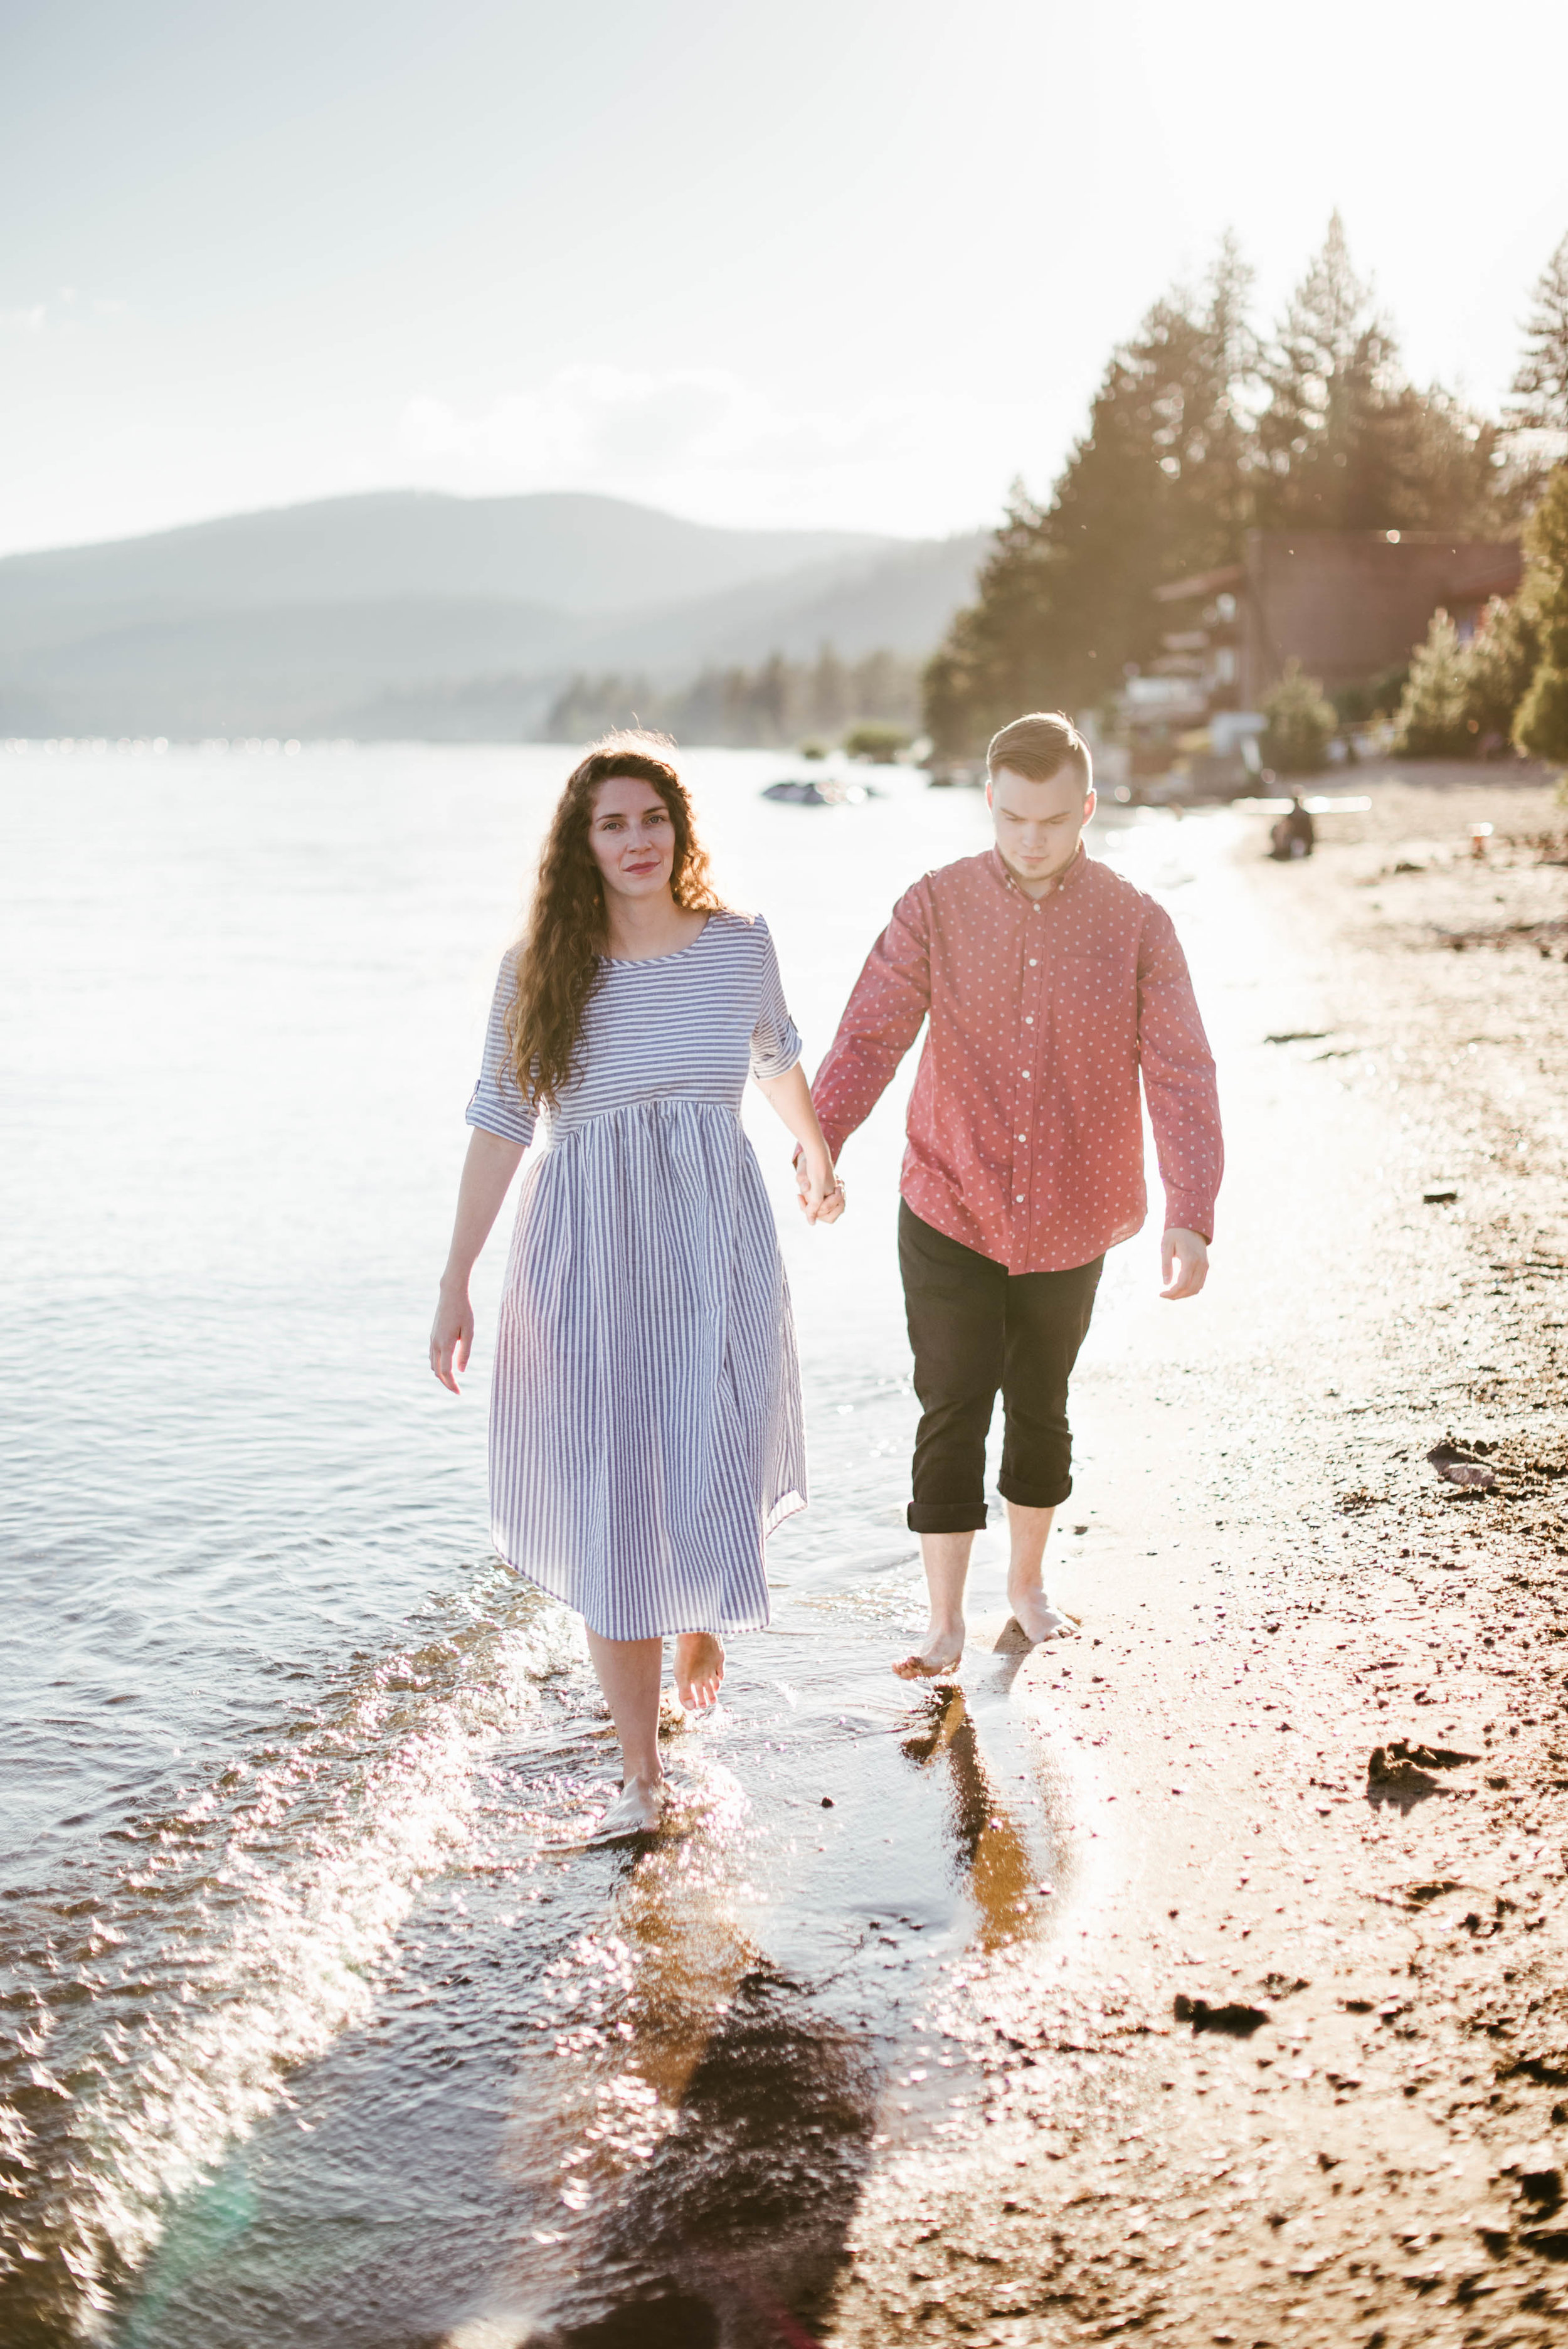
(487, 1170)
(789, 1097)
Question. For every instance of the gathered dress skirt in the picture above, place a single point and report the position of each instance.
(645, 1418)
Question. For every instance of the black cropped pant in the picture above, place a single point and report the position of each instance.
(976, 1327)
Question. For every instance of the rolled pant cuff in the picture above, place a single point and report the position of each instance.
(1034, 1497)
(946, 1516)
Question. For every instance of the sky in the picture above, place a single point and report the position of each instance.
(854, 264)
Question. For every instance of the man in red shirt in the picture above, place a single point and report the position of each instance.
(1051, 986)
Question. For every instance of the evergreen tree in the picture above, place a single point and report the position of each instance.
(1542, 723)
(1157, 486)
(762, 709)
(1500, 659)
(1538, 400)
(1301, 723)
(829, 700)
(1346, 441)
(1433, 720)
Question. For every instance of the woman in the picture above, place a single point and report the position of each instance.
(646, 1412)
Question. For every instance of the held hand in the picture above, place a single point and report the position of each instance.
(451, 1336)
(822, 1193)
(1183, 1262)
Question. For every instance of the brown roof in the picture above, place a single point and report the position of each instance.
(1497, 572)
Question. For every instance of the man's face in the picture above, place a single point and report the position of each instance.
(1037, 825)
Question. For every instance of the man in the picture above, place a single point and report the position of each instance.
(1049, 984)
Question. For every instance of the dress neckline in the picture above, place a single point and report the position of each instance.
(642, 962)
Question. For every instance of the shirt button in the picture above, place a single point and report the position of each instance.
(1034, 962)
(1028, 1019)
(1020, 1197)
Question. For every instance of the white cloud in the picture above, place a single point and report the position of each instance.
(65, 307)
(707, 443)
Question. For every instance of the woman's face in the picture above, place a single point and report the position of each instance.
(633, 837)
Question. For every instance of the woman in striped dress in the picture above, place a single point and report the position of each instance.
(646, 1432)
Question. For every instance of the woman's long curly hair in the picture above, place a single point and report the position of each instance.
(558, 955)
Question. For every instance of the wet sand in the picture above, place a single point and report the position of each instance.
(1296, 2067)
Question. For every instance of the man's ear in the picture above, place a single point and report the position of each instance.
(1090, 802)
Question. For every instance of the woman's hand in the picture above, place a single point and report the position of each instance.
(822, 1193)
(451, 1334)
(488, 1169)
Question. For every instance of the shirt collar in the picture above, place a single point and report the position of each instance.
(1063, 881)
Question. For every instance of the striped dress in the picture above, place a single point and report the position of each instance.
(645, 1427)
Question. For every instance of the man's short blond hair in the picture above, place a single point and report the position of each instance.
(1038, 747)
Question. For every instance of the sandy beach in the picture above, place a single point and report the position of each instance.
(1295, 2069)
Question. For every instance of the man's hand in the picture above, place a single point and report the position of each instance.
(822, 1193)
(1184, 1263)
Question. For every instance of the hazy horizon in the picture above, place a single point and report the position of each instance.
(857, 270)
(466, 497)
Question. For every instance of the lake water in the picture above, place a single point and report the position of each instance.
(320, 2031)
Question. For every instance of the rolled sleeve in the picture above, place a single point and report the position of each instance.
(776, 1043)
(1179, 1080)
(880, 1021)
(496, 1105)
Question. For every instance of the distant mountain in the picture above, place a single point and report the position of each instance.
(355, 615)
(898, 600)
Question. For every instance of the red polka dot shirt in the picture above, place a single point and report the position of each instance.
(1026, 1135)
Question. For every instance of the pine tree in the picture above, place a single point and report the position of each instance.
(1538, 400)
(995, 658)
(1542, 723)
(1433, 717)
(1500, 659)
(1302, 723)
(1158, 486)
(1328, 374)
(1347, 442)
(828, 697)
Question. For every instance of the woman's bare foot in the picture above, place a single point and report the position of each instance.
(699, 1669)
(636, 1810)
(1037, 1618)
(939, 1656)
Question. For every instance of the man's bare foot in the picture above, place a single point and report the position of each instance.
(938, 1657)
(636, 1810)
(699, 1669)
(1037, 1618)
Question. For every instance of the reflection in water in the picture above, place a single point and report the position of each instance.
(630, 2096)
(990, 1844)
(706, 2158)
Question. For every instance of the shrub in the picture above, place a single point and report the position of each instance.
(878, 742)
(1373, 697)
(1301, 723)
(1433, 719)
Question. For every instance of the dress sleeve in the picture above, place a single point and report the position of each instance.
(497, 1106)
(776, 1044)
